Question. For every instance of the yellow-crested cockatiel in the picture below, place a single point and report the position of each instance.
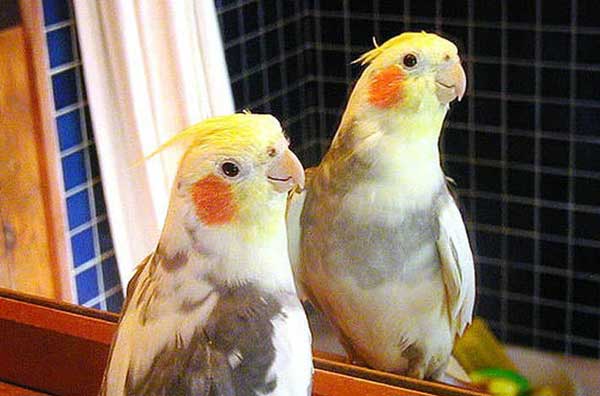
(376, 239)
(213, 310)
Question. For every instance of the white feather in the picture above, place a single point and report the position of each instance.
(293, 359)
(264, 261)
(457, 265)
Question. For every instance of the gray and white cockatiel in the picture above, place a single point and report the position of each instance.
(213, 310)
(376, 239)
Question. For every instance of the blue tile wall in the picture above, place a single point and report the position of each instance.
(87, 284)
(56, 11)
(65, 88)
(74, 172)
(94, 267)
(68, 126)
(524, 144)
(78, 209)
(61, 42)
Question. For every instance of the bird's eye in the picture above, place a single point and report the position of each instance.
(230, 169)
(409, 60)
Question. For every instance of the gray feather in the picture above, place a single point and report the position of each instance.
(240, 323)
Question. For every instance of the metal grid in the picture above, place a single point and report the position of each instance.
(265, 48)
(93, 265)
(523, 145)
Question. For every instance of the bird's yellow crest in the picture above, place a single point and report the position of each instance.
(370, 56)
(233, 130)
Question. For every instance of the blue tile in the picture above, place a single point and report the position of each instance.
(74, 170)
(99, 199)
(114, 303)
(82, 246)
(69, 129)
(56, 11)
(78, 209)
(87, 285)
(60, 46)
(104, 236)
(110, 273)
(65, 88)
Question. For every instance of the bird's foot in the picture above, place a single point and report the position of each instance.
(356, 361)
(416, 362)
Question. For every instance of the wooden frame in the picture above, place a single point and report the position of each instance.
(336, 364)
(61, 349)
(33, 24)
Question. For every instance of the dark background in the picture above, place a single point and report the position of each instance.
(9, 13)
(523, 145)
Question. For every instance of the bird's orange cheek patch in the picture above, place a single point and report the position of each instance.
(213, 200)
(385, 89)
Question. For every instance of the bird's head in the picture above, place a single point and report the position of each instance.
(235, 166)
(234, 176)
(412, 72)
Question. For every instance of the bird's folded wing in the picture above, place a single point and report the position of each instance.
(457, 265)
(148, 356)
(295, 205)
(131, 286)
(196, 369)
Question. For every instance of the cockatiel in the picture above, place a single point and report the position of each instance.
(213, 310)
(376, 239)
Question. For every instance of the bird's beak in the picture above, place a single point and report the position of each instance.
(286, 172)
(451, 83)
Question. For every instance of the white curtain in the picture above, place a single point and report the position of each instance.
(152, 67)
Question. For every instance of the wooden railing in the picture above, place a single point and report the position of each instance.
(52, 348)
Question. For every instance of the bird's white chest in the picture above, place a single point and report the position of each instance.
(292, 366)
(374, 247)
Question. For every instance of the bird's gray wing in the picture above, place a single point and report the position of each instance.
(457, 264)
(130, 287)
(148, 333)
(197, 369)
(231, 354)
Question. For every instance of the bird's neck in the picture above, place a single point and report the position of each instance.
(236, 253)
(396, 148)
(261, 261)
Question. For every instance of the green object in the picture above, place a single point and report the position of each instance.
(501, 382)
